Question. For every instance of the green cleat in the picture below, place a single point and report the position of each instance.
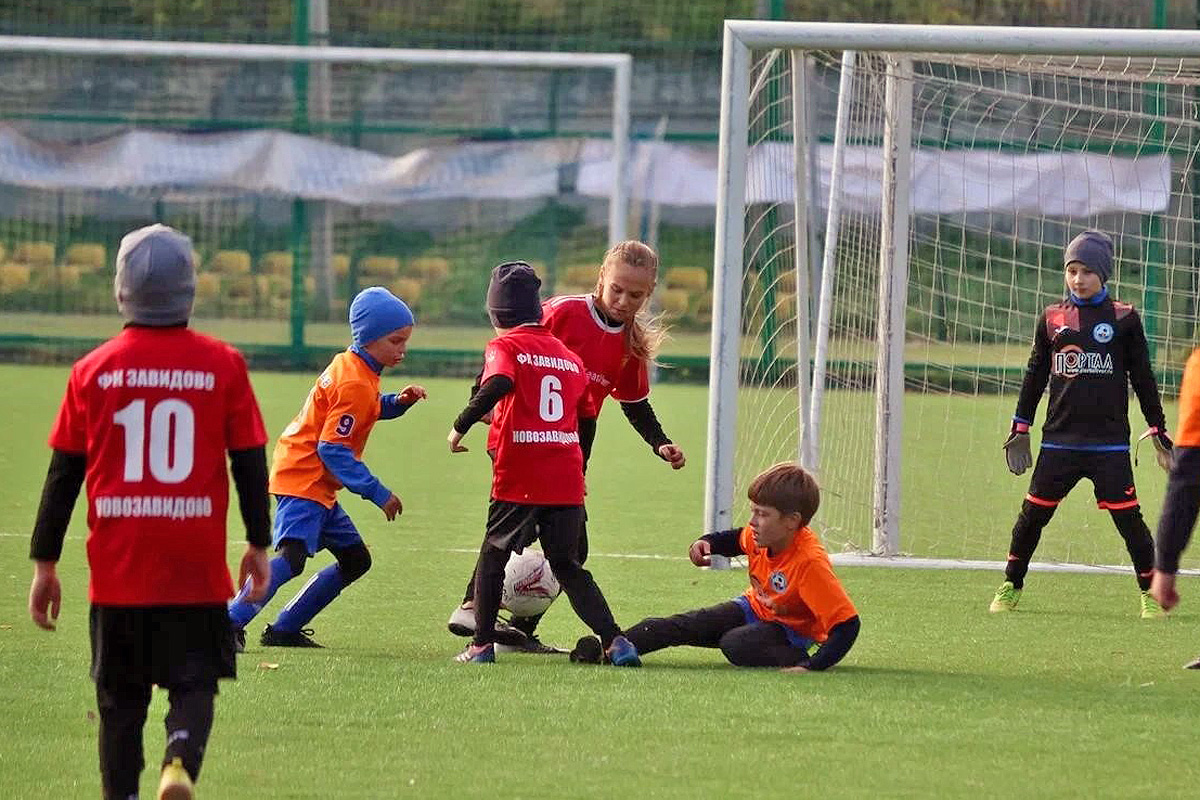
(1150, 607)
(1006, 598)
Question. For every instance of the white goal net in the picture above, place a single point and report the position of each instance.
(880, 333)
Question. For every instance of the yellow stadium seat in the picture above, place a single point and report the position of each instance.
(37, 254)
(581, 275)
(430, 269)
(341, 265)
(693, 279)
(237, 287)
(375, 267)
(88, 257)
(276, 262)
(407, 289)
(13, 278)
(208, 286)
(3, 253)
(675, 302)
(231, 262)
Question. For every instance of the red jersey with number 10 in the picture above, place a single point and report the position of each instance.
(535, 427)
(154, 411)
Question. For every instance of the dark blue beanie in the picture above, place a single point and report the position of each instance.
(375, 313)
(1094, 250)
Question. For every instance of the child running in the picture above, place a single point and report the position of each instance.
(319, 452)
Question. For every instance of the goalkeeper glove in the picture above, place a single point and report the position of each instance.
(1016, 449)
(1163, 446)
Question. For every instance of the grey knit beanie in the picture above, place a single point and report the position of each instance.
(156, 276)
(1094, 250)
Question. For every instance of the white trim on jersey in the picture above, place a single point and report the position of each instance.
(591, 304)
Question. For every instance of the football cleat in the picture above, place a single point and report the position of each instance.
(587, 651)
(1193, 664)
(462, 623)
(532, 645)
(175, 783)
(239, 640)
(275, 638)
(1006, 598)
(477, 654)
(622, 653)
(1150, 607)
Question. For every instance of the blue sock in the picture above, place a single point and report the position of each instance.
(241, 612)
(316, 594)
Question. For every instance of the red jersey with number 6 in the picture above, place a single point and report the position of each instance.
(535, 428)
(154, 411)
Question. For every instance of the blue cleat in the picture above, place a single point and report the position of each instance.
(477, 654)
(622, 653)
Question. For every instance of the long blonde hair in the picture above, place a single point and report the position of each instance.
(645, 333)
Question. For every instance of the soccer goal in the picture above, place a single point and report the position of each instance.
(303, 173)
(893, 204)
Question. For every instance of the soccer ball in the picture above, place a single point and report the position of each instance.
(529, 585)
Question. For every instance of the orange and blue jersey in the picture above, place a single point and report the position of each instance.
(321, 450)
(796, 587)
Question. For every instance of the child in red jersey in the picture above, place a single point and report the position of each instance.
(319, 453)
(148, 419)
(795, 602)
(536, 386)
(609, 331)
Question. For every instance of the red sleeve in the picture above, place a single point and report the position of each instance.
(498, 360)
(349, 405)
(244, 426)
(69, 433)
(633, 382)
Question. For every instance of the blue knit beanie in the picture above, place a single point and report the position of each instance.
(1094, 250)
(375, 313)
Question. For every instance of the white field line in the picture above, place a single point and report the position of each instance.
(838, 559)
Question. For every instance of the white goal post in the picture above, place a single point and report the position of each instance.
(1071, 128)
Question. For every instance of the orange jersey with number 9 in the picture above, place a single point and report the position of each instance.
(342, 408)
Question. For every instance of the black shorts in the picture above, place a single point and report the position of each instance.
(515, 526)
(172, 646)
(1057, 472)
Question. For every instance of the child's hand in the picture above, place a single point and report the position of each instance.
(700, 553)
(1162, 589)
(454, 438)
(673, 455)
(393, 508)
(45, 595)
(411, 394)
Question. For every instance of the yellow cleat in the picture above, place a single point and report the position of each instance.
(175, 784)
(1150, 607)
(1006, 598)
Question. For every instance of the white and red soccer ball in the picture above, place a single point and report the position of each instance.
(529, 585)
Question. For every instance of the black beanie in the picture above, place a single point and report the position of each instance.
(512, 297)
(1094, 250)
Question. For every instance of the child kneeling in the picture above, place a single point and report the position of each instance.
(795, 613)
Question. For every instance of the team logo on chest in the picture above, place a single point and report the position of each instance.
(1102, 333)
(778, 581)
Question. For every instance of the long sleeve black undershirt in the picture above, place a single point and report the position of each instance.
(483, 399)
(64, 479)
(249, 468)
(841, 636)
(587, 437)
(641, 417)
(1180, 508)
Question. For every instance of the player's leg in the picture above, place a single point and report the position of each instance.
(338, 535)
(509, 526)
(1112, 477)
(1054, 474)
(296, 533)
(528, 625)
(702, 627)
(122, 696)
(764, 644)
(559, 533)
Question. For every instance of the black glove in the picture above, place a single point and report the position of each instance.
(1016, 449)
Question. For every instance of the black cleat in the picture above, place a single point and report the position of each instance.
(587, 651)
(274, 638)
(239, 640)
(1193, 664)
(532, 645)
